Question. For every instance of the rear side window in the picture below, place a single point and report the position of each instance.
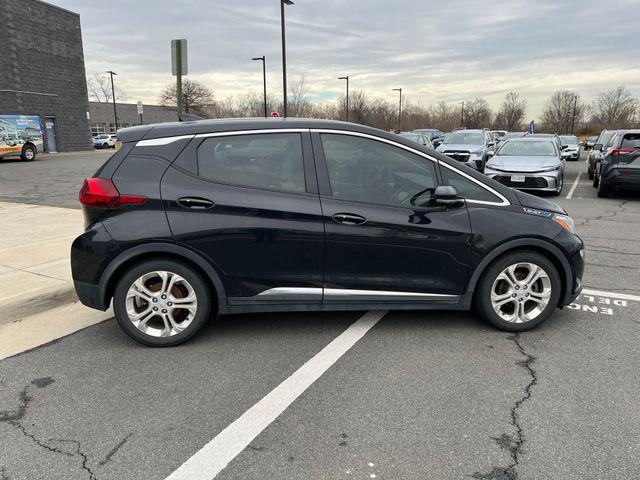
(466, 187)
(271, 161)
(631, 140)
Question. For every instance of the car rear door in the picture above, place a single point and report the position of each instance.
(248, 201)
(386, 240)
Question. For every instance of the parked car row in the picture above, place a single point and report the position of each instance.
(517, 159)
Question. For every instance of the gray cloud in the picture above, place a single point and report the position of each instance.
(448, 51)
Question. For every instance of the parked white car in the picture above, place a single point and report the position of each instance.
(104, 140)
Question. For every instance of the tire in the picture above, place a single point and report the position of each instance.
(559, 191)
(28, 153)
(590, 173)
(603, 190)
(545, 288)
(155, 331)
(105, 145)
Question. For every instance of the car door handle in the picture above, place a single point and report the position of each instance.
(195, 203)
(349, 219)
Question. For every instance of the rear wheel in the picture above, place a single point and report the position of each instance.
(519, 291)
(590, 173)
(603, 190)
(162, 302)
(28, 153)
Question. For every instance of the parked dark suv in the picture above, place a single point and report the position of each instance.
(194, 219)
(619, 165)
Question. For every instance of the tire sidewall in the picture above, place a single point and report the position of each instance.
(483, 292)
(200, 287)
(24, 151)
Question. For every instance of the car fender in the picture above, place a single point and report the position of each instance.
(566, 274)
(166, 248)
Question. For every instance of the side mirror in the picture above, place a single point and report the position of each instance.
(448, 195)
(491, 144)
(598, 147)
(564, 147)
(491, 153)
(565, 154)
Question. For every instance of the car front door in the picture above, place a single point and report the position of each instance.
(248, 202)
(386, 239)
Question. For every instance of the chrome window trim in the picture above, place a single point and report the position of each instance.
(503, 203)
(279, 291)
(157, 142)
(252, 132)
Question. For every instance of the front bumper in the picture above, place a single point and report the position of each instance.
(539, 181)
(468, 159)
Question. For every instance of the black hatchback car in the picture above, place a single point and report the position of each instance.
(194, 219)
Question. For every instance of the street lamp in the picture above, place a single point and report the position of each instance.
(284, 54)
(347, 109)
(399, 110)
(113, 97)
(264, 81)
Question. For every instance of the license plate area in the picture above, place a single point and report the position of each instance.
(517, 178)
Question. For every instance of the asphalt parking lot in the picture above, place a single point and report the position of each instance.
(417, 395)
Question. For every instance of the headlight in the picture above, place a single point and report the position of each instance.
(550, 169)
(565, 222)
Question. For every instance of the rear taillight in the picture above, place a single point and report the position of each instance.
(622, 151)
(102, 193)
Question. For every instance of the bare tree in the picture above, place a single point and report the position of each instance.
(298, 101)
(615, 109)
(563, 111)
(99, 87)
(444, 117)
(251, 104)
(357, 106)
(511, 114)
(197, 98)
(477, 114)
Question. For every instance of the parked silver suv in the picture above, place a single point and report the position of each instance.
(470, 147)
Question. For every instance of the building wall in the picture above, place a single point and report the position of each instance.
(102, 118)
(42, 54)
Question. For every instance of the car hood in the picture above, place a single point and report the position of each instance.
(523, 164)
(531, 201)
(458, 146)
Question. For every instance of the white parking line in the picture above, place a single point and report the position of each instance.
(621, 296)
(211, 459)
(573, 187)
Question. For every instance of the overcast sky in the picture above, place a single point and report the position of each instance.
(449, 50)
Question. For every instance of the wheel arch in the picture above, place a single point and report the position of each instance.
(32, 145)
(544, 247)
(131, 256)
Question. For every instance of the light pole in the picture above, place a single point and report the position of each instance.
(347, 109)
(462, 116)
(264, 81)
(399, 110)
(113, 97)
(284, 55)
(573, 117)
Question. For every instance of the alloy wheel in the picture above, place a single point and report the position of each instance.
(161, 303)
(521, 292)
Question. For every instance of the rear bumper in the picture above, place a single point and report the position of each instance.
(622, 178)
(91, 295)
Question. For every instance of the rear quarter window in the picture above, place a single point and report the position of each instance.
(631, 140)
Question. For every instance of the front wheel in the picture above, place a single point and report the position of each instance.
(519, 291)
(603, 190)
(162, 302)
(28, 153)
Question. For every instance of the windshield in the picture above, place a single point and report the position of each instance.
(568, 140)
(465, 138)
(528, 149)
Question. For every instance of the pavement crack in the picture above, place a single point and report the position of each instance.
(505, 441)
(15, 416)
(114, 450)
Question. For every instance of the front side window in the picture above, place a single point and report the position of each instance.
(271, 161)
(368, 171)
(467, 188)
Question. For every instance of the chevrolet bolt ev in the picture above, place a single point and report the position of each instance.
(196, 219)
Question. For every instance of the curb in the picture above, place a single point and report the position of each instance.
(38, 303)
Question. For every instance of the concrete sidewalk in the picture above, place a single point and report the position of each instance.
(35, 271)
